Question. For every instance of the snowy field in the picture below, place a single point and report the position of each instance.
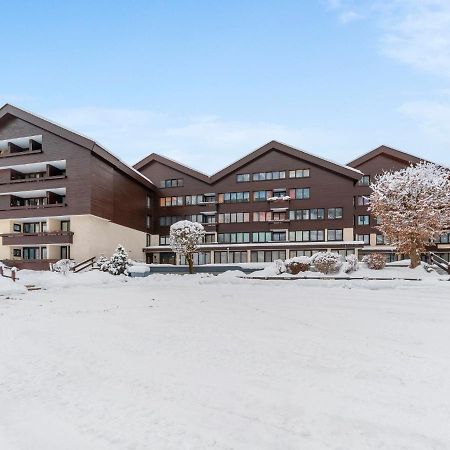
(199, 362)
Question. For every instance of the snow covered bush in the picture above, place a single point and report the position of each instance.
(327, 262)
(297, 264)
(412, 206)
(118, 264)
(185, 238)
(63, 266)
(350, 264)
(103, 263)
(375, 261)
(280, 267)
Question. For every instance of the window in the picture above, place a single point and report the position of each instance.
(65, 225)
(267, 255)
(233, 238)
(193, 199)
(230, 257)
(172, 182)
(335, 213)
(334, 235)
(307, 236)
(149, 201)
(299, 193)
(210, 238)
(171, 201)
(294, 253)
(299, 173)
(64, 252)
(31, 227)
(234, 197)
(195, 218)
(32, 253)
(299, 214)
(279, 193)
(363, 220)
(261, 236)
(263, 176)
(239, 217)
(164, 240)
(317, 214)
(242, 177)
(262, 216)
(17, 252)
(260, 196)
(363, 238)
(148, 240)
(17, 227)
(381, 240)
(278, 236)
(166, 221)
(148, 222)
(364, 181)
(209, 198)
(362, 200)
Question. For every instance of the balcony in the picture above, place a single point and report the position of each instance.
(20, 146)
(45, 237)
(37, 199)
(33, 172)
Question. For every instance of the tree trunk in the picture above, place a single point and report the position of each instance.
(415, 259)
(190, 262)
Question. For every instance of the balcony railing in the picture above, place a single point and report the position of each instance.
(29, 180)
(22, 207)
(44, 237)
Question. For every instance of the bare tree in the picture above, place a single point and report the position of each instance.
(185, 237)
(412, 206)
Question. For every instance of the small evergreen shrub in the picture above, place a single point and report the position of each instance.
(117, 264)
(327, 262)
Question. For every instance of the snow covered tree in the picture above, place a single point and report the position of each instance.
(327, 262)
(118, 264)
(185, 237)
(412, 206)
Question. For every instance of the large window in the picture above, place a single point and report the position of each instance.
(307, 214)
(260, 196)
(299, 173)
(381, 240)
(262, 176)
(300, 193)
(166, 221)
(230, 257)
(171, 201)
(233, 238)
(239, 217)
(363, 220)
(335, 213)
(193, 199)
(262, 216)
(307, 236)
(261, 236)
(363, 238)
(267, 255)
(195, 217)
(172, 182)
(234, 197)
(242, 177)
(334, 235)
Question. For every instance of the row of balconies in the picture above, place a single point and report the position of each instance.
(20, 146)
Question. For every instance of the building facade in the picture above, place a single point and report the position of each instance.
(62, 195)
(277, 202)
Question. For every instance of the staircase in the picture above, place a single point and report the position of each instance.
(443, 266)
(86, 264)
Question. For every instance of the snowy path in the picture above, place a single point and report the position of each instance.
(173, 362)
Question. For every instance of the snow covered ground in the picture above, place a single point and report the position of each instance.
(202, 362)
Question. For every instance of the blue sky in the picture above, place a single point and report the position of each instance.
(205, 82)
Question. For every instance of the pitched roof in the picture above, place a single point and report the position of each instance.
(385, 150)
(76, 138)
(173, 164)
(272, 145)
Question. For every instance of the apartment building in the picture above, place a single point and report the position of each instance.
(277, 202)
(62, 195)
